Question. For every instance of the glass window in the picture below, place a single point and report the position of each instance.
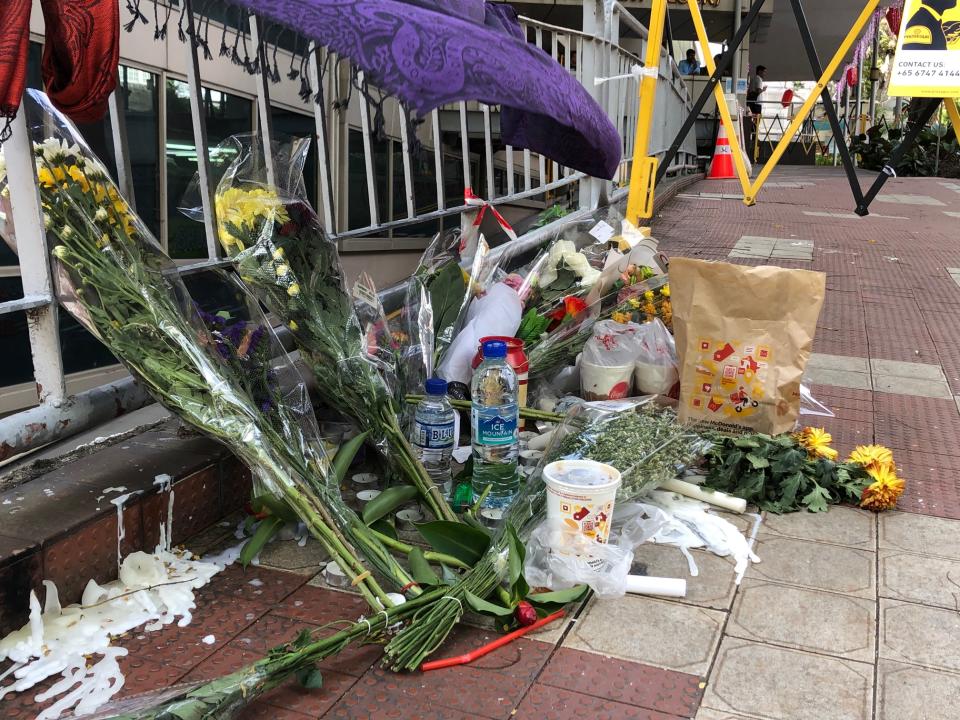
(424, 191)
(226, 115)
(287, 125)
(357, 180)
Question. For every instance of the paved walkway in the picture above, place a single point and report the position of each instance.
(849, 616)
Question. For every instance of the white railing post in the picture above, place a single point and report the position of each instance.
(199, 119)
(323, 139)
(118, 135)
(265, 121)
(588, 63)
(42, 322)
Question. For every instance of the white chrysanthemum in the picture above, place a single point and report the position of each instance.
(100, 215)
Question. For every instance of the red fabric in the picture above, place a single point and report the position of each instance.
(80, 55)
(894, 17)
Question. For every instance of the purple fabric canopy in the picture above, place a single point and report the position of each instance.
(433, 52)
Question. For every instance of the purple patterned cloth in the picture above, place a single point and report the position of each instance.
(433, 52)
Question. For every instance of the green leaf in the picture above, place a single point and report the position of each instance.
(345, 455)
(560, 597)
(267, 529)
(789, 487)
(485, 607)
(448, 575)
(757, 462)
(384, 527)
(310, 678)
(817, 499)
(447, 290)
(421, 570)
(464, 542)
(388, 501)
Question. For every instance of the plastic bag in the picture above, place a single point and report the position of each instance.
(639, 437)
(656, 369)
(607, 364)
(558, 560)
(809, 405)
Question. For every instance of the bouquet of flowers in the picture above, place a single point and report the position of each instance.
(114, 278)
(285, 257)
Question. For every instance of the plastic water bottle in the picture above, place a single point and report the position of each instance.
(494, 416)
(433, 433)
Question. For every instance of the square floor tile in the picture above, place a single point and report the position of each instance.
(288, 555)
(920, 579)
(846, 363)
(815, 565)
(762, 681)
(915, 387)
(920, 534)
(840, 525)
(920, 635)
(601, 629)
(837, 378)
(713, 586)
(845, 626)
(895, 368)
(907, 692)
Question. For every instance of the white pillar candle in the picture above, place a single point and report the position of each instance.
(664, 587)
(714, 497)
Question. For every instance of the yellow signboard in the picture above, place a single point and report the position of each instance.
(927, 59)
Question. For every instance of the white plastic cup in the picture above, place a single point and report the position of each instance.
(605, 382)
(651, 379)
(581, 507)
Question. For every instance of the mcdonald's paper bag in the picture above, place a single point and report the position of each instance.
(744, 335)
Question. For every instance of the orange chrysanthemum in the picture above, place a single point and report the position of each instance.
(883, 493)
(872, 456)
(817, 443)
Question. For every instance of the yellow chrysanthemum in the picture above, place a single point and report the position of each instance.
(293, 325)
(872, 456)
(648, 295)
(293, 290)
(883, 493)
(51, 178)
(242, 207)
(634, 303)
(665, 291)
(79, 177)
(817, 442)
(620, 317)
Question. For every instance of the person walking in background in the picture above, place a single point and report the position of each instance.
(689, 65)
(756, 89)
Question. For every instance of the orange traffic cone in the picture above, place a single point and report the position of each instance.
(721, 167)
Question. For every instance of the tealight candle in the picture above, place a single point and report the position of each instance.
(334, 576)
(407, 517)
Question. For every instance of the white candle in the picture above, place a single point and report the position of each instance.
(334, 576)
(407, 517)
(365, 496)
(365, 479)
(491, 517)
(714, 497)
(664, 587)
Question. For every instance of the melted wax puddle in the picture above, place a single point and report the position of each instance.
(151, 591)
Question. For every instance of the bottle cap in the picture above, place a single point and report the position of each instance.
(435, 386)
(494, 349)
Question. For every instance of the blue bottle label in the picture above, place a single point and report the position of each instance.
(433, 436)
(494, 425)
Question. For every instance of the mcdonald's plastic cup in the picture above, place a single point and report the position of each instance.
(580, 497)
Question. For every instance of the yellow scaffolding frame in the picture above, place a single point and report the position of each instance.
(643, 171)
